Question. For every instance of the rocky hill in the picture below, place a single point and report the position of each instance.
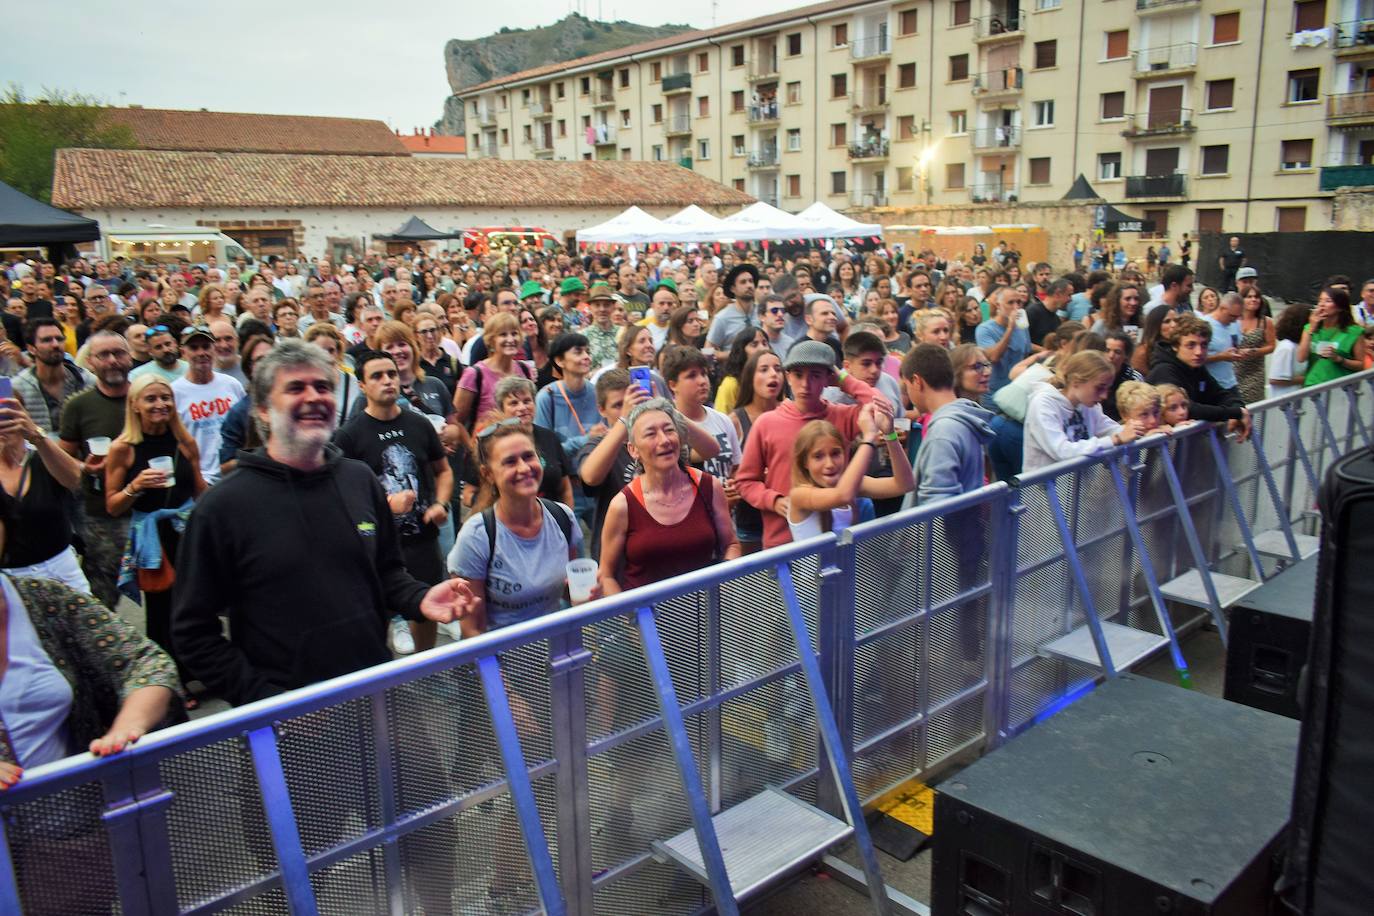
(468, 63)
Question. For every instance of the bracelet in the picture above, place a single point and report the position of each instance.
(130, 492)
(867, 442)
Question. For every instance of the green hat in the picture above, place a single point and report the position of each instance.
(601, 290)
(669, 283)
(530, 288)
(571, 285)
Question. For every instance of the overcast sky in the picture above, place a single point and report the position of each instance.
(379, 60)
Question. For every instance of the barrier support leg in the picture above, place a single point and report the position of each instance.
(281, 821)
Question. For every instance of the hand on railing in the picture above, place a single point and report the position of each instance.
(1241, 427)
(9, 774)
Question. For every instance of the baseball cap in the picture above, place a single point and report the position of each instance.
(192, 331)
(1247, 273)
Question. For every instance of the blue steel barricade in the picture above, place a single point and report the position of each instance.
(529, 768)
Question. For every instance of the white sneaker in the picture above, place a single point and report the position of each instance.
(452, 630)
(401, 640)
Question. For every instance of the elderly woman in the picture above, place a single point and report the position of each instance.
(671, 518)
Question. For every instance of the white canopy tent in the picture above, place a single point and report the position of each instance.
(693, 224)
(836, 224)
(761, 222)
(633, 227)
(758, 222)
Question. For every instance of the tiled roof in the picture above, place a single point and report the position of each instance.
(87, 179)
(435, 143)
(226, 131)
(660, 44)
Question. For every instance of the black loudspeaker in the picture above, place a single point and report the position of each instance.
(1140, 799)
(1330, 867)
(1267, 641)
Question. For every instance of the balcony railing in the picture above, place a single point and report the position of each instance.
(1347, 171)
(486, 116)
(541, 110)
(998, 26)
(763, 67)
(685, 161)
(1175, 185)
(488, 150)
(677, 82)
(993, 82)
(1160, 122)
(1356, 33)
(1149, 6)
(766, 158)
(872, 148)
(867, 198)
(770, 199)
(870, 98)
(766, 111)
(1350, 106)
(1003, 137)
(601, 134)
(603, 97)
(1166, 59)
(541, 145)
(678, 124)
(995, 192)
(872, 46)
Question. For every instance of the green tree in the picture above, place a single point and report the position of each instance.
(31, 132)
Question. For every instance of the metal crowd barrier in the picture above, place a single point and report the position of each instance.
(558, 765)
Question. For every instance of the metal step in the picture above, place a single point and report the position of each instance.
(761, 839)
(1188, 589)
(1125, 645)
(1272, 543)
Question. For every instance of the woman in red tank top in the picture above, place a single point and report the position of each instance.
(670, 519)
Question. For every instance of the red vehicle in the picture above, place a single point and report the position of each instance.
(483, 239)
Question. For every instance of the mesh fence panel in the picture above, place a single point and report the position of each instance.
(353, 885)
(329, 758)
(61, 853)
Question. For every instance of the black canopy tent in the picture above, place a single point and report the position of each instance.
(416, 230)
(1106, 217)
(29, 223)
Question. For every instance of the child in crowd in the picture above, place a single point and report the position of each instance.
(1064, 418)
(830, 491)
(950, 460)
(1286, 371)
(1139, 402)
(1173, 405)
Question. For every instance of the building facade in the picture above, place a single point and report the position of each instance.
(1193, 114)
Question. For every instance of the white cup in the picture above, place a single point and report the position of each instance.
(901, 424)
(164, 464)
(581, 580)
(1325, 349)
(98, 446)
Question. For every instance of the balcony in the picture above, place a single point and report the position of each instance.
(1350, 108)
(685, 161)
(1157, 186)
(869, 99)
(764, 112)
(678, 126)
(601, 134)
(988, 30)
(868, 150)
(1169, 122)
(675, 83)
(541, 110)
(488, 150)
(867, 198)
(541, 147)
(770, 199)
(766, 158)
(1355, 38)
(763, 67)
(486, 117)
(871, 47)
(1169, 60)
(993, 192)
(994, 138)
(1146, 7)
(603, 98)
(998, 84)
(1348, 171)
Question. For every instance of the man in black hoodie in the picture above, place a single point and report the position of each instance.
(298, 547)
(1184, 365)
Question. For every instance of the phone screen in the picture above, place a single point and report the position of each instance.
(6, 388)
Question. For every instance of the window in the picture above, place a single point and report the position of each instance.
(503, 102)
(524, 98)
(1210, 220)
(1047, 4)
(625, 153)
(794, 186)
(1161, 220)
(1113, 105)
(586, 122)
(560, 90)
(586, 87)
(656, 152)
(737, 100)
(954, 176)
(958, 122)
(737, 55)
(625, 78)
(794, 45)
(505, 137)
(656, 114)
(703, 149)
(1046, 54)
(1043, 113)
(1118, 44)
(474, 109)
(906, 76)
(906, 127)
(737, 184)
(528, 133)
(703, 62)
(839, 35)
(737, 144)
(904, 178)
(1220, 94)
(837, 135)
(794, 93)
(958, 67)
(586, 157)
(703, 106)
(1108, 166)
(837, 182)
(839, 85)
(1216, 160)
(624, 117)
(1303, 85)
(656, 72)
(906, 22)
(1309, 14)
(1225, 28)
(794, 139)
(562, 128)
(1040, 170)
(960, 13)
(1291, 219)
(1297, 154)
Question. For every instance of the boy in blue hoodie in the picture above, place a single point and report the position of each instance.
(950, 460)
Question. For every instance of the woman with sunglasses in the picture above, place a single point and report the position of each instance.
(434, 361)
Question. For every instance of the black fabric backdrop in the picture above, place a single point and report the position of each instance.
(1291, 265)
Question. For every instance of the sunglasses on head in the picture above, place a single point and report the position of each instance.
(486, 431)
(157, 329)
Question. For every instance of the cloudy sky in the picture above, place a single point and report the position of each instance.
(372, 60)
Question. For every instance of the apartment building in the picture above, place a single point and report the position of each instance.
(1243, 115)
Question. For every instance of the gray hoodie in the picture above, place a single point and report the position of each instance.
(950, 459)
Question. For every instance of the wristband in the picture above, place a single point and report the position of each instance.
(842, 374)
(892, 436)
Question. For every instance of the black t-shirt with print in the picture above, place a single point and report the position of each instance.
(401, 452)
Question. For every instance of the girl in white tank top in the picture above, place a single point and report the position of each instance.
(829, 487)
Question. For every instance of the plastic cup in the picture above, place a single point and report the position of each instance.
(581, 580)
(98, 446)
(164, 464)
(1325, 349)
(901, 424)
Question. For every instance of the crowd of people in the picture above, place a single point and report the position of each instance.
(347, 460)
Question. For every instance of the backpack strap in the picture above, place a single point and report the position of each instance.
(555, 509)
(489, 523)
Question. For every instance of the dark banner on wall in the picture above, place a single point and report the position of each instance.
(1291, 265)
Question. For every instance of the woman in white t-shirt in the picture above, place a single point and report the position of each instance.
(1285, 370)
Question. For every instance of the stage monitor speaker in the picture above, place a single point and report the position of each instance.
(1266, 645)
(1330, 867)
(1139, 799)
